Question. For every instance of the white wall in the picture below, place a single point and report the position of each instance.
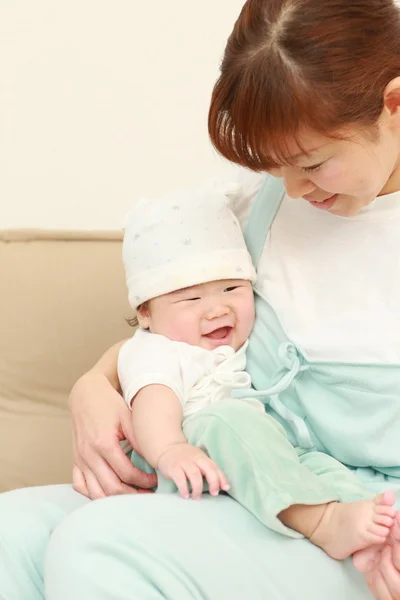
(102, 101)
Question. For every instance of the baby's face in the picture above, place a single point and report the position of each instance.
(218, 313)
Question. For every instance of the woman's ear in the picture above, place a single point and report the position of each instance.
(143, 316)
(391, 98)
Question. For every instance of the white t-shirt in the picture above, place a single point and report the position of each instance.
(334, 282)
(197, 376)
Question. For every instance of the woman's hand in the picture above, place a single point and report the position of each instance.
(384, 579)
(383, 571)
(101, 420)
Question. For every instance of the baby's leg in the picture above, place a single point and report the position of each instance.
(267, 476)
(341, 529)
(262, 467)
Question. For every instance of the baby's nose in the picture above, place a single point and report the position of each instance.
(217, 311)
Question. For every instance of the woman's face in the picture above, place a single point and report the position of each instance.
(343, 176)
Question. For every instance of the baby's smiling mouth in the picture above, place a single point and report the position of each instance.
(220, 333)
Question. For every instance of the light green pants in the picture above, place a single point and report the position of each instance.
(156, 547)
(266, 474)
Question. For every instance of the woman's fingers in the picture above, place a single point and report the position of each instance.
(383, 579)
(390, 574)
(111, 469)
(95, 469)
(95, 490)
(79, 482)
(124, 468)
(114, 470)
(106, 477)
(379, 589)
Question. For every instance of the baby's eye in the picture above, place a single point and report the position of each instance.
(191, 299)
(230, 289)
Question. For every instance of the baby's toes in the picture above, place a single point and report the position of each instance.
(388, 498)
(382, 509)
(379, 531)
(383, 520)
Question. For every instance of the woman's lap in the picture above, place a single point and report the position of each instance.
(27, 519)
(154, 547)
(62, 496)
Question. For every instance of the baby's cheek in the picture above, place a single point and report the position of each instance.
(182, 330)
(248, 320)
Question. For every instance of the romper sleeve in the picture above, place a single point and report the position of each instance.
(148, 359)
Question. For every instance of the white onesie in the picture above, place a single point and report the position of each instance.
(197, 376)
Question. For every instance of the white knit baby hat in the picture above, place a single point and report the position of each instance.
(184, 239)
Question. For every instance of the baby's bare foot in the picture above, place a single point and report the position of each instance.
(355, 527)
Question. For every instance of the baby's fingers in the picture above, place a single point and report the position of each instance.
(179, 478)
(215, 478)
(193, 473)
(223, 482)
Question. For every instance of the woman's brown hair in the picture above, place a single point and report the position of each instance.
(318, 64)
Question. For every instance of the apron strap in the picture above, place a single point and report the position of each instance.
(262, 215)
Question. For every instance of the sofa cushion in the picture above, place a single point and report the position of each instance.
(63, 303)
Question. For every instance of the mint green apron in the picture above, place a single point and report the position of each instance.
(349, 411)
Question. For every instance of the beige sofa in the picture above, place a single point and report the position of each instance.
(63, 302)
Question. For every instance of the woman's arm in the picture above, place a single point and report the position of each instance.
(101, 420)
(106, 366)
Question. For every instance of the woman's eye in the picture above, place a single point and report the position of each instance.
(311, 169)
(230, 289)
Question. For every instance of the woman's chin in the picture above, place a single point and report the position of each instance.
(348, 206)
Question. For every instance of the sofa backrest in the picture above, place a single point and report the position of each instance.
(63, 303)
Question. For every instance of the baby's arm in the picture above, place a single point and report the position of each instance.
(157, 422)
(157, 429)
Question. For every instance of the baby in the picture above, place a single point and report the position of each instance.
(189, 277)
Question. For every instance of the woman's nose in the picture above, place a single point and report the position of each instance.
(297, 185)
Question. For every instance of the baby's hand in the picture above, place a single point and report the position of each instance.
(184, 462)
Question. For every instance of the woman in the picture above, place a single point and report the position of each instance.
(310, 92)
